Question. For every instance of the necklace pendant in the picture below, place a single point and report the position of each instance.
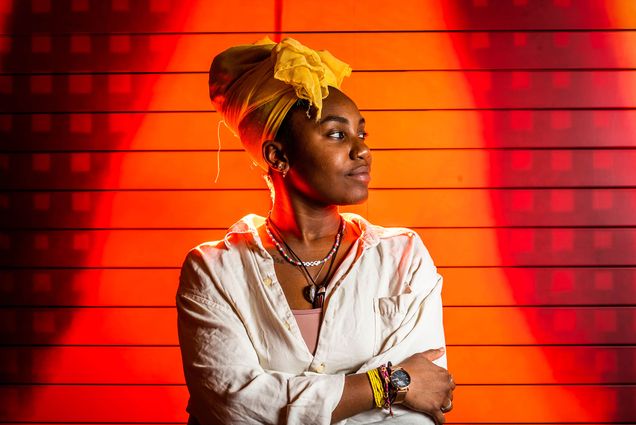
(320, 297)
(309, 292)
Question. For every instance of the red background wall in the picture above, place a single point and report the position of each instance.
(503, 132)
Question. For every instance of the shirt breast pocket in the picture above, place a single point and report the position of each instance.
(390, 313)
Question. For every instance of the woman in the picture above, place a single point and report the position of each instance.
(295, 318)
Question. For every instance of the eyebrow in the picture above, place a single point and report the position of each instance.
(340, 119)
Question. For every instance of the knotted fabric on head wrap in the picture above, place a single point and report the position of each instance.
(253, 86)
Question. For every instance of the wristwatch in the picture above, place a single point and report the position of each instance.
(399, 381)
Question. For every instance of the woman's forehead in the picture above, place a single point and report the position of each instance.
(339, 104)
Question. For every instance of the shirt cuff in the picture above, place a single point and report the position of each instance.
(313, 400)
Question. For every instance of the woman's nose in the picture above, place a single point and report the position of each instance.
(361, 150)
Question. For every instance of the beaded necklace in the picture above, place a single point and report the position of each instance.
(297, 261)
(313, 292)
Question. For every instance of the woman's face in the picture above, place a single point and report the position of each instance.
(329, 160)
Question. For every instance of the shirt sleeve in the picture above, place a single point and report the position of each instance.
(222, 371)
(418, 304)
(420, 308)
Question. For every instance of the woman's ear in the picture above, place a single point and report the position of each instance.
(275, 156)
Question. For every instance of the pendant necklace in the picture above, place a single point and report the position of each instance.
(296, 261)
(314, 292)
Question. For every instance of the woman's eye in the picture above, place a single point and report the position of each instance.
(339, 135)
(363, 135)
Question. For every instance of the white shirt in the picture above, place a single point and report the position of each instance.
(244, 358)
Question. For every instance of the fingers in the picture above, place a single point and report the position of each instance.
(452, 387)
(439, 417)
(447, 406)
(434, 354)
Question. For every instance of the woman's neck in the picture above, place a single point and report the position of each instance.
(305, 223)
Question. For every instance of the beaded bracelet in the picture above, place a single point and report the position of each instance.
(384, 373)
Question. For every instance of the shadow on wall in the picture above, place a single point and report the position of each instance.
(66, 93)
(559, 124)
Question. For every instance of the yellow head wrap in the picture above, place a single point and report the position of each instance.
(253, 86)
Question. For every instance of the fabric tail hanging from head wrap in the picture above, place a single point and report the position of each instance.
(254, 86)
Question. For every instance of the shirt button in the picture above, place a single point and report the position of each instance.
(267, 281)
(320, 368)
(288, 325)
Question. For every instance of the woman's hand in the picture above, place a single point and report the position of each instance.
(431, 388)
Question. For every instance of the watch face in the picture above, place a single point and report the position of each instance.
(400, 379)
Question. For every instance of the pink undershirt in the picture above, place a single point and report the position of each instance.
(309, 324)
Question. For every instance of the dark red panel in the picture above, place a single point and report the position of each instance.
(64, 16)
(94, 403)
(463, 325)
(407, 90)
(202, 15)
(469, 365)
(539, 286)
(188, 209)
(482, 404)
(460, 14)
(427, 208)
(483, 286)
(91, 365)
(105, 131)
(388, 129)
(449, 247)
(515, 207)
(391, 169)
(363, 51)
(93, 326)
(89, 287)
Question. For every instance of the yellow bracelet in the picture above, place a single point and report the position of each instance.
(376, 386)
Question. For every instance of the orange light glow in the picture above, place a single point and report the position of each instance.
(503, 133)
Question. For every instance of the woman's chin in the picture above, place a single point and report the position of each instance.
(356, 198)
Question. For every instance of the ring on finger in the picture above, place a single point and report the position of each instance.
(447, 407)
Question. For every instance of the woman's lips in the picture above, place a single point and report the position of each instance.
(362, 173)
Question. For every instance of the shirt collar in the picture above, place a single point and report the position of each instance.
(247, 226)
